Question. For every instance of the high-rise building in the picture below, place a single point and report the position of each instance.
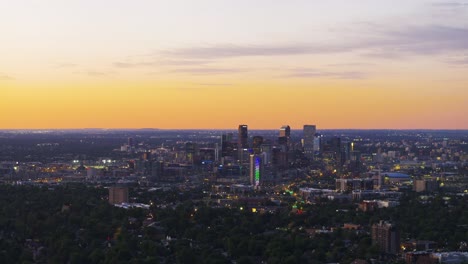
(191, 151)
(242, 145)
(284, 137)
(118, 195)
(285, 131)
(257, 142)
(308, 140)
(242, 140)
(130, 142)
(227, 146)
(256, 170)
(318, 143)
(386, 236)
(157, 171)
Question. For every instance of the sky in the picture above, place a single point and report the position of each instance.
(215, 64)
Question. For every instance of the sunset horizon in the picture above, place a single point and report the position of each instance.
(215, 64)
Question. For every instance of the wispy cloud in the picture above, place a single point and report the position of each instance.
(66, 65)
(350, 64)
(153, 63)
(410, 40)
(462, 61)
(213, 84)
(96, 73)
(315, 73)
(5, 77)
(100, 73)
(450, 4)
(203, 71)
(231, 50)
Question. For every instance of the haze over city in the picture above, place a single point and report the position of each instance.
(216, 64)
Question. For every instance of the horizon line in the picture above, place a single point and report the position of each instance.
(169, 129)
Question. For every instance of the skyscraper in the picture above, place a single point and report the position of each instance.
(227, 146)
(130, 142)
(256, 170)
(308, 143)
(242, 140)
(284, 136)
(285, 131)
(242, 145)
(257, 142)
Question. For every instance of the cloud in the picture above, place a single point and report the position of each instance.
(66, 65)
(152, 63)
(450, 4)
(203, 71)
(461, 61)
(432, 39)
(231, 50)
(377, 40)
(350, 64)
(5, 77)
(95, 73)
(124, 65)
(99, 73)
(214, 84)
(315, 73)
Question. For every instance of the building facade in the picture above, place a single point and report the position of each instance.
(387, 237)
(118, 195)
(308, 140)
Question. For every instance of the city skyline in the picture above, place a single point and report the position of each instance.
(218, 64)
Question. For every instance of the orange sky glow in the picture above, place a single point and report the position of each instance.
(186, 66)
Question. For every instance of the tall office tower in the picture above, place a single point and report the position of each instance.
(157, 171)
(257, 144)
(284, 136)
(309, 137)
(346, 148)
(226, 145)
(217, 151)
(318, 141)
(386, 236)
(191, 151)
(256, 170)
(118, 195)
(242, 139)
(242, 145)
(130, 142)
(285, 131)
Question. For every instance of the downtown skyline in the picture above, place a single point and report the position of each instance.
(217, 64)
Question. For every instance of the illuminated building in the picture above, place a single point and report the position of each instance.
(386, 236)
(118, 195)
(308, 141)
(284, 135)
(284, 138)
(256, 169)
(191, 150)
(285, 131)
